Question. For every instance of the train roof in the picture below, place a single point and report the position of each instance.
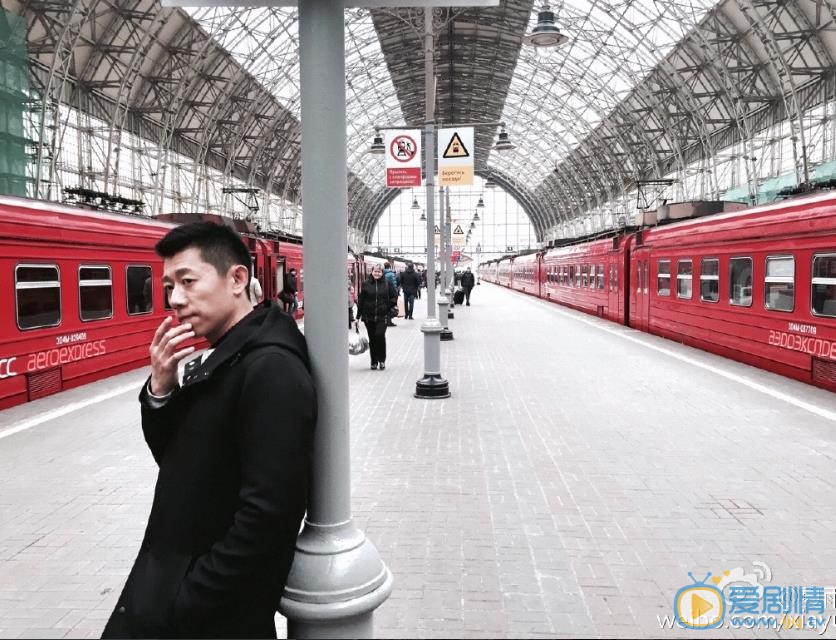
(44, 206)
(806, 213)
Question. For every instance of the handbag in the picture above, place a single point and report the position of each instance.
(357, 342)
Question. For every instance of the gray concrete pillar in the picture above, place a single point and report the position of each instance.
(337, 579)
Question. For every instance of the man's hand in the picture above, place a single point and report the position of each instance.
(165, 357)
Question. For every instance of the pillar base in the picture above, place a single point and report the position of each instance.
(431, 387)
(336, 582)
(446, 334)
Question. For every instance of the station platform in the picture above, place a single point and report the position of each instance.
(577, 474)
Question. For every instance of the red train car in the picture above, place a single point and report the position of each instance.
(757, 286)
(589, 276)
(87, 292)
(525, 275)
(87, 296)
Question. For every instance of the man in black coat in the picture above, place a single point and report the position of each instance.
(410, 284)
(288, 293)
(467, 284)
(233, 444)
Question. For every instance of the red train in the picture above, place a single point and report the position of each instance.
(87, 292)
(757, 286)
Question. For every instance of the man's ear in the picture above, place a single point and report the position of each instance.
(240, 278)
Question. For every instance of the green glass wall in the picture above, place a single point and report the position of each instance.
(15, 102)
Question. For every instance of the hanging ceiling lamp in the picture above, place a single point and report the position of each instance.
(545, 34)
(481, 203)
(472, 225)
(489, 183)
(503, 143)
(415, 205)
(423, 217)
(378, 148)
(476, 216)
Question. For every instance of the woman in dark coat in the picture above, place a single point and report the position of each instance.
(376, 299)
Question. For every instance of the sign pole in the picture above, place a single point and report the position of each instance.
(433, 384)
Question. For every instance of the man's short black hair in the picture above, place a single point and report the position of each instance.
(219, 245)
(386, 265)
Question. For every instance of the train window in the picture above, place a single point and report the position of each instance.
(710, 280)
(38, 296)
(95, 293)
(138, 285)
(684, 279)
(779, 284)
(740, 281)
(600, 276)
(584, 275)
(663, 278)
(823, 293)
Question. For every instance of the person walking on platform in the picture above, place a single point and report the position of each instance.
(288, 293)
(233, 442)
(393, 280)
(377, 297)
(468, 280)
(422, 277)
(411, 285)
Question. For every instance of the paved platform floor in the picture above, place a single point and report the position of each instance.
(576, 476)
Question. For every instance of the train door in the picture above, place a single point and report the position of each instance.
(640, 297)
(279, 275)
(612, 288)
(645, 312)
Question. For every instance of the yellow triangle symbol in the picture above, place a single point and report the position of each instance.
(455, 148)
(459, 230)
(699, 606)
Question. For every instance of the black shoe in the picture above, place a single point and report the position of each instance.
(374, 365)
(468, 304)
(391, 324)
(382, 366)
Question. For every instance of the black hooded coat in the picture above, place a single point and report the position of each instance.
(410, 280)
(233, 445)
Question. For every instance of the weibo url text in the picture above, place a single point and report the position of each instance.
(787, 622)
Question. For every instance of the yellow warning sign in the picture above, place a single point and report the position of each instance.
(455, 156)
(458, 229)
(455, 148)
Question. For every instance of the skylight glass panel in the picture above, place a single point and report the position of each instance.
(265, 43)
(613, 46)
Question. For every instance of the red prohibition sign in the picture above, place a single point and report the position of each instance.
(403, 148)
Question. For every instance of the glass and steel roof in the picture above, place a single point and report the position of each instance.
(642, 89)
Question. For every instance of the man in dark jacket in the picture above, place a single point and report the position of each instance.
(233, 444)
(410, 284)
(288, 292)
(467, 284)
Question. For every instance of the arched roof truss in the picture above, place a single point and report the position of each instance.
(643, 89)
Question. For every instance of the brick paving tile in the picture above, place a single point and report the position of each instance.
(565, 490)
